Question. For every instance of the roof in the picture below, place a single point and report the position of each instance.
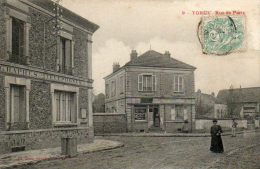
(152, 58)
(239, 95)
(67, 14)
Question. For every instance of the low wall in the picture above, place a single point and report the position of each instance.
(109, 123)
(39, 139)
(224, 123)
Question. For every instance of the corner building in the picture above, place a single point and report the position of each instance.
(154, 91)
(45, 75)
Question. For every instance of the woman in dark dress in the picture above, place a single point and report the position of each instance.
(216, 141)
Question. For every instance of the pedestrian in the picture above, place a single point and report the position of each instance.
(234, 126)
(216, 141)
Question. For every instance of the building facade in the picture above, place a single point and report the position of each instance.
(241, 102)
(45, 75)
(154, 91)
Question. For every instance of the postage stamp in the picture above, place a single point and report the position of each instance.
(222, 35)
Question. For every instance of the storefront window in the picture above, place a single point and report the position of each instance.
(140, 113)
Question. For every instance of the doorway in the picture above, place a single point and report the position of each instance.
(156, 117)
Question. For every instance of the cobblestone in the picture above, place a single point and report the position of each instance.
(161, 153)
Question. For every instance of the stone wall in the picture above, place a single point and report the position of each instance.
(164, 86)
(2, 104)
(40, 105)
(2, 32)
(109, 123)
(83, 100)
(80, 53)
(39, 139)
(36, 37)
(224, 123)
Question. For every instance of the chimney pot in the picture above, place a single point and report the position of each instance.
(133, 55)
(167, 53)
(116, 66)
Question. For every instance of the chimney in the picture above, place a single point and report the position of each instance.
(133, 55)
(116, 66)
(167, 54)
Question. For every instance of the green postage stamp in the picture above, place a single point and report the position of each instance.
(221, 35)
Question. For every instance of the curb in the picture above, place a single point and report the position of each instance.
(60, 157)
(170, 135)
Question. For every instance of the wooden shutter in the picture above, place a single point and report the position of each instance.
(72, 56)
(140, 82)
(154, 83)
(173, 113)
(68, 53)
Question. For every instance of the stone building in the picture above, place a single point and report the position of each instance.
(154, 91)
(45, 75)
(241, 102)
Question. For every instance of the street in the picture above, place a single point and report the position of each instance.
(167, 153)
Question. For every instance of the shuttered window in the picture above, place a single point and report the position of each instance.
(18, 103)
(66, 57)
(146, 82)
(18, 41)
(65, 106)
(178, 83)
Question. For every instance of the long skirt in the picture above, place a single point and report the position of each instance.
(216, 144)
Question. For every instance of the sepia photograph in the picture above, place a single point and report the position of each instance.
(129, 84)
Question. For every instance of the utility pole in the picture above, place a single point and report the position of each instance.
(56, 19)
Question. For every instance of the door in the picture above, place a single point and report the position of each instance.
(156, 117)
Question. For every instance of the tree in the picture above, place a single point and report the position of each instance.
(99, 103)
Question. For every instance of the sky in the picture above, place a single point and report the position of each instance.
(170, 25)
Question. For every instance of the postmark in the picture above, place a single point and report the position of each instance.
(222, 35)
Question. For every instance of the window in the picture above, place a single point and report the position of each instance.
(18, 42)
(179, 109)
(65, 107)
(173, 114)
(121, 85)
(178, 83)
(113, 88)
(146, 82)
(18, 105)
(66, 56)
(140, 113)
(107, 90)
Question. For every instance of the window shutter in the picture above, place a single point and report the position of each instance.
(68, 56)
(173, 113)
(72, 56)
(174, 83)
(154, 83)
(140, 82)
(185, 116)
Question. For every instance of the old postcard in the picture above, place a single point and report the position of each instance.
(130, 84)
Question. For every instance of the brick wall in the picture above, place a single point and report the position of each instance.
(40, 105)
(109, 123)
